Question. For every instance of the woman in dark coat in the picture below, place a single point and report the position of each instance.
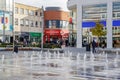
(93, 46)
(16, 49)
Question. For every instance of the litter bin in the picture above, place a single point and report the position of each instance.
(88, 47)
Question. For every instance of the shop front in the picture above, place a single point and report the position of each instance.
(24, 36)
(55, 34)
(35, 37)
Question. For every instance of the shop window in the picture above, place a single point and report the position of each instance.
(115, 28)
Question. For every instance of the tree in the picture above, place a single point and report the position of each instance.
(98, 31)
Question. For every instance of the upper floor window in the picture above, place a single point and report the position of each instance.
(40, 13)
(36, 13)
(27, 22)
(21, 11)
(103, 16)
(36, 24)
(114, 15)
(22, 22)
(26, 11)
(40, 24)
(31, 23)
(31, 12)
(16, 10)
(118, 14)
(16, 21)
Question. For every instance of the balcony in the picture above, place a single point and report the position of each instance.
(71, 4)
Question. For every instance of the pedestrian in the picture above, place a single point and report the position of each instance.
(93, 46)
(66, 42)
(103, 44)
(15, 49)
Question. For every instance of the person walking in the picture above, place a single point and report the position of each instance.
(15, 49)
(93, 46)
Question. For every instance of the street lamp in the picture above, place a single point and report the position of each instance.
(42, 28)
(71, 31)
(13, 6)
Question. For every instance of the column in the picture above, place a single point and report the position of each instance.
(79, 26)
(109, 24)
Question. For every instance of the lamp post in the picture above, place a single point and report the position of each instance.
(71, 31)
(42, 29)
(13, 6)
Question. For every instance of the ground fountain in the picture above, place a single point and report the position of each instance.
(62, 66)
(3, 59)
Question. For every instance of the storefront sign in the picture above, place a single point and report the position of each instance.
(32, 34)
(52, 32)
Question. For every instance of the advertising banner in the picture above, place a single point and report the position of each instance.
(5, 21)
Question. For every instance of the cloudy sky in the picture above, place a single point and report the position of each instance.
(45, 3)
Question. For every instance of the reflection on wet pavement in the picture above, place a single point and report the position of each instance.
(59, 66)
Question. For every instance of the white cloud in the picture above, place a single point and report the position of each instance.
(45, 3)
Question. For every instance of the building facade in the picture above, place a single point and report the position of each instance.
(6, 24)
(87, 12)
(56, 24)
(28, 23)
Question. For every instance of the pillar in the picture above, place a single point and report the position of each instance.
(109, 24)
(79, 26)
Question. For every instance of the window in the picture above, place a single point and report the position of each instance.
(36, 13)
(41, 24)
(16, 10)
(114, 15)
(21, 11)
(31, 23)
(16, 21)
(103, 16)
(26, 11)
(118, 14)
(31, 13)
(36, 24)
(21, 22)
(27, 22)
(50, 24)
(53, 23)
(61, 24)
(40, 13)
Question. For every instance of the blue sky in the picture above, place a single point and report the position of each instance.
(45, 3)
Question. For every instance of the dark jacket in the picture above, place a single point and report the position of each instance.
(93, 44)
(16, 49)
